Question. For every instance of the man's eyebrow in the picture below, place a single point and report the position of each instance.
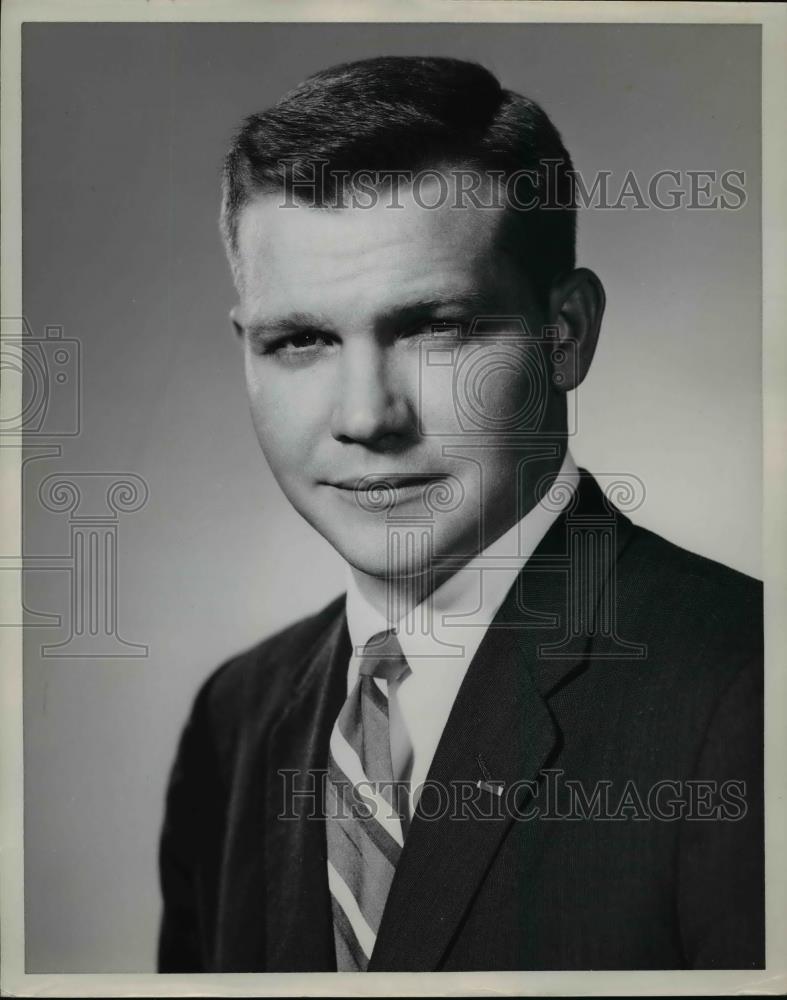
(295, 322)
(462, 301)
(462, 305)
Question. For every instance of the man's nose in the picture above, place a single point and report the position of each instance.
(370, 406)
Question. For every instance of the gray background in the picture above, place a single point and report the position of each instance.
(124, 127)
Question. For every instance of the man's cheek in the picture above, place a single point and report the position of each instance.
(285, 454)
(473, 389)
(273, 434)
(436, 402)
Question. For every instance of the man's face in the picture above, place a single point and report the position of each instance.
(349, 386)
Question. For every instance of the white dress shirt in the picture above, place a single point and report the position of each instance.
(461, 610)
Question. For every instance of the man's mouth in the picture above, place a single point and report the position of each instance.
(377, 492)
(376, 482)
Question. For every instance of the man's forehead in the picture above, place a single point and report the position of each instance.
(348, 267)
(270, 231)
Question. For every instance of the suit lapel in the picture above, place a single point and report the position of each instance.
(501, 715)
(300, 927)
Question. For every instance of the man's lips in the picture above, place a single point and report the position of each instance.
(376, 482)
(376, 493)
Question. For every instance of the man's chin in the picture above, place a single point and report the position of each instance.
(385, 550)
(380, 566)
(395, 556)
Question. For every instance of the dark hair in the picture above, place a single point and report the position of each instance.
(399, 113)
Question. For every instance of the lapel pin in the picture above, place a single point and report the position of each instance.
(495, 787)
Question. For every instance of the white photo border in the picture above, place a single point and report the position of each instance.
(14, 980)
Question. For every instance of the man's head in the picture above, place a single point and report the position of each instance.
(375, 202)
(404, 114)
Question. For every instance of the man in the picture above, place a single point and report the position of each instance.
(529, 737)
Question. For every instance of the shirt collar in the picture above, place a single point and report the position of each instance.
(460, 611)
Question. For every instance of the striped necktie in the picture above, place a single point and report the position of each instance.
(363, 826)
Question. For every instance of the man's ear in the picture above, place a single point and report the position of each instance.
(576, 306)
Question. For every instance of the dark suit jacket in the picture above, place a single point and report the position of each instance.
(648, 672)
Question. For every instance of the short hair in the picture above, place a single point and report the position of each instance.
(397, 113)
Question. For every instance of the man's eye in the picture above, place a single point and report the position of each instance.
(299, 340)
(434, 327)
(306, 342)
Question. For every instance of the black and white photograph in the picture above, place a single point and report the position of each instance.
(394, 552)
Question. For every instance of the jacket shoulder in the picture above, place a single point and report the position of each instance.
(690, 599)
(663, 560)
(253, 684)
